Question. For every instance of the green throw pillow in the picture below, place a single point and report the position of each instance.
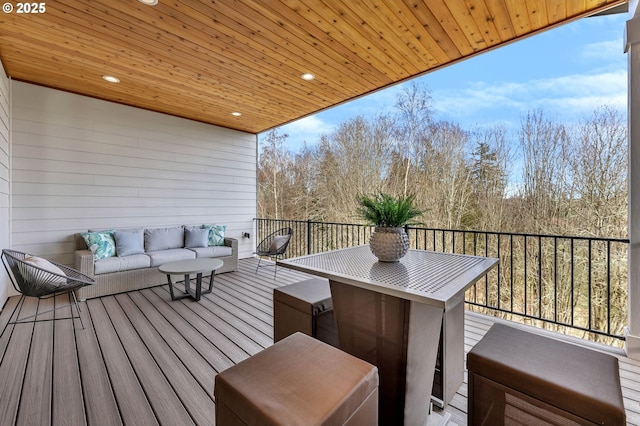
(102, 244)
(216, 234)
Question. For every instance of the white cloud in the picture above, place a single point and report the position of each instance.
(578, 95)
(569, 97)
(604, 83)
(308, 125)
(603, 51)
(308, 129)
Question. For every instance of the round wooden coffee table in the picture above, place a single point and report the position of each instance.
(187, 268)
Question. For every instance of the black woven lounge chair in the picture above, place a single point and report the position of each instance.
(34, 281)
(274, 246)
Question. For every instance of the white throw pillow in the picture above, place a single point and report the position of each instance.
(30, 274)
(278, 242)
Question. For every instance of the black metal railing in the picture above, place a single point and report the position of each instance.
(572, 284)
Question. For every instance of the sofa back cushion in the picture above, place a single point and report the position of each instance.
(195, 237)
(163, 238)
(129, 242)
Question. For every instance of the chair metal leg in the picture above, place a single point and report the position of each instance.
(23, 320)
(73, 293)
(17, 310)
(275, 267)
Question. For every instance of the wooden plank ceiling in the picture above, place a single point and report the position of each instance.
(204, 59)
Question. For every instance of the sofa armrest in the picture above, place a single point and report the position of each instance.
(231, 262)
(233, 243)
(83, 261)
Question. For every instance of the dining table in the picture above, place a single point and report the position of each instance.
(392, 314)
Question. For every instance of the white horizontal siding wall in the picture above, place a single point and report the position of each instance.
(5, 136)
(79, 163)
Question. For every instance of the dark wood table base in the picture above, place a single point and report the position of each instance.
(195, 294)
(397, 335)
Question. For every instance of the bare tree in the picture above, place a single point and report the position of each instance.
(490, 165)
(599, 208)
(354, 159)
(274, 161)
(415, 113)
(599, 173)
(303, 199)
(446, 173)
(545, 188)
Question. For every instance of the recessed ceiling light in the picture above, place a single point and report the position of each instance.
(149, 2)
(308, 76)
(111, 79)
(236, 114)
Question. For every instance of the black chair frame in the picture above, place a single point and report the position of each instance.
(264, 249)
(42, 284)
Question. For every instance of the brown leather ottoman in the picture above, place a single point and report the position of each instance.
(306, 307)
(517, 377)
(298, 381)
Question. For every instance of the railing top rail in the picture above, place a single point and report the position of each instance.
(471, 231)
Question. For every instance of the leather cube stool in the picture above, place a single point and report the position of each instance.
(305, 306)
(298, 381)
(517, 377)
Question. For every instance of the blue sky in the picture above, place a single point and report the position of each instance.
(567, 72)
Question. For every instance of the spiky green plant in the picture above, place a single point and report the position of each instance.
(385, 210)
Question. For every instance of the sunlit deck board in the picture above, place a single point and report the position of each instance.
(144, 359)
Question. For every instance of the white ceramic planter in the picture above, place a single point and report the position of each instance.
(389, 244)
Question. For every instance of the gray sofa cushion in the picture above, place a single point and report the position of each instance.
(196, 237)
(213, 251)
(129, 241)
(117, 264)
(163, 238)
(163, 256)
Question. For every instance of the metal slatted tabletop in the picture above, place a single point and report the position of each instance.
(427, 277)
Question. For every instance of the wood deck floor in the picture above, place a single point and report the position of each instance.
(143, 359)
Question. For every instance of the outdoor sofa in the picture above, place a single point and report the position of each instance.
(122, 260)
